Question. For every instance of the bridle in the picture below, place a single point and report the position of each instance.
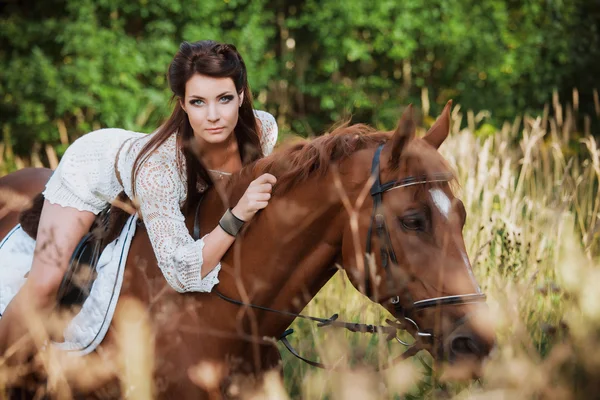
(387, 254)
(402, 313)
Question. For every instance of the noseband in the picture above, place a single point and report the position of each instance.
(402, 312)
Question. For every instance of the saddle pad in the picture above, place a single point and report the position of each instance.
(88, 328)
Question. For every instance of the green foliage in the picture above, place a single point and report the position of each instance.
(94, 64)
(89, 64)
(369, 58)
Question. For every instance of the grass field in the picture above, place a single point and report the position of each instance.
(531, 191)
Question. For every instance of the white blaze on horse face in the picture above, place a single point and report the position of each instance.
(441, 201)
(443, 204)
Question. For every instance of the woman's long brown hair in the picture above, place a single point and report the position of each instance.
(217, 60)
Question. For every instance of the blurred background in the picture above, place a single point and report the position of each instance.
(523, 78)
(72, 66)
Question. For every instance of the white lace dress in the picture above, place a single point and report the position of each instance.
(85, 179)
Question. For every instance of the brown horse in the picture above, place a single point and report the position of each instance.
(335, 193)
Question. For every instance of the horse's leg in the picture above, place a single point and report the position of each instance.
(60, 229)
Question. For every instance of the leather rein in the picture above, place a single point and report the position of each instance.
(401, 313)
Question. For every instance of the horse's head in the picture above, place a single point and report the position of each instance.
(413, 226)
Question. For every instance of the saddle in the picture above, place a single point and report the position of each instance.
(81, 272)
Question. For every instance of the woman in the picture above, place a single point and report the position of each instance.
(213, 121)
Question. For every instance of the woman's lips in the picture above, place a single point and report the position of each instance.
(215, 130)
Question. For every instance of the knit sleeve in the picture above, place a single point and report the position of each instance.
(159, 190)
(269, 131)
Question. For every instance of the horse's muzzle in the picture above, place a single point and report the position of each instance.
(468, 348)
(465, 345)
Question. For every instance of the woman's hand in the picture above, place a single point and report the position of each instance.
(255, 198)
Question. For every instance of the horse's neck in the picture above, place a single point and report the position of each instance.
(290, 249)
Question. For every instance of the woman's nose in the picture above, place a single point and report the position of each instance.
(213, 113)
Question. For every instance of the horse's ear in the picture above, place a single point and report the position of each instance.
(402, 136)
(440, 129)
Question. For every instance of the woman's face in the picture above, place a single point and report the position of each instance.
(212, 105)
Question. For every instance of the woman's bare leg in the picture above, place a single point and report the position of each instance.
(59, 232)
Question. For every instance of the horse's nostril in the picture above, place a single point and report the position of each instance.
(464, 345)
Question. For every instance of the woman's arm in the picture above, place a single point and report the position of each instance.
(187, 265)
(217, 242)
(159, 191)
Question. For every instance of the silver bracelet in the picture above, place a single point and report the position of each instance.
(230, 223)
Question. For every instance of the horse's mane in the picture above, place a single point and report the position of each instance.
(295, 162)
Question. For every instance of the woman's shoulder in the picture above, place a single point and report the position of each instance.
(264, 116)
(161, 169)
(268, 130)
(162, 158)
(166, 150)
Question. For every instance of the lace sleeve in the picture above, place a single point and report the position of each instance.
(160, 190)
(269, 131)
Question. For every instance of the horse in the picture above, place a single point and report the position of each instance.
(380, 204)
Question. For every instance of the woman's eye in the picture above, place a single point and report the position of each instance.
(196, 102)
(413, 223)
(226, 99)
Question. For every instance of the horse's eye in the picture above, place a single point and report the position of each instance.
(413, 222)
